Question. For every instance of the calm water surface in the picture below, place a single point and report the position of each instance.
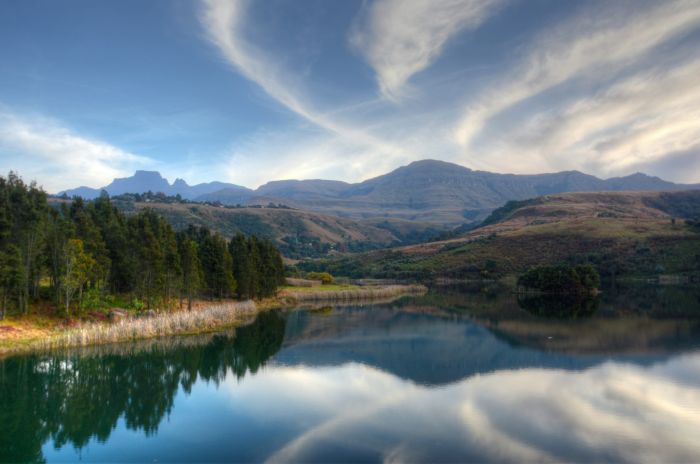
(450, 376)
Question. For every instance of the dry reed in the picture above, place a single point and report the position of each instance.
(183, 322)
(209, 319)
(365, 293)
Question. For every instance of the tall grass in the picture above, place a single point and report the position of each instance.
(183, 322)
(354, 294)
(156, 344)
(207, 320)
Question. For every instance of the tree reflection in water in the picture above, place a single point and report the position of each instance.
(560, 306)
(75, 396)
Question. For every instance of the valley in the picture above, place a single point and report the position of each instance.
(629, 233)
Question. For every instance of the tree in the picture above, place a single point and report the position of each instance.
(144, 229)
(171, 256)
(139, 254)
(10, 276)
(26, 212)
(191, 268)
(86, 229)
(271, 267)
(113, 227)
(58, 230)
(79, 266)
(217, 264)
(243, 267)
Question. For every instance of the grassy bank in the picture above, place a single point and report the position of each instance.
(35, 332)
(350, 293)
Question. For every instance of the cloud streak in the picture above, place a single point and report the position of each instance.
(592, 45)
(606, 92)
(400, 38)
(612, 412)
(224, 21)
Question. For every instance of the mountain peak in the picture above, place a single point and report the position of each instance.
(146, 174)
(434, 164)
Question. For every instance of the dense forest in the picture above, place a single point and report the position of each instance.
(88, 255)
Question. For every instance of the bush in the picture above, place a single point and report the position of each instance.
(324, 277)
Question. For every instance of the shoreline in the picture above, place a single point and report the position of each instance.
(212, 318)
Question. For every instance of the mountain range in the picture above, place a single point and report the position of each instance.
(428, 191)
(152, 181)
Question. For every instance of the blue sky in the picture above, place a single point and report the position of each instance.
(248, 92)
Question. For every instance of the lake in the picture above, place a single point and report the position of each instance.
(459, 374)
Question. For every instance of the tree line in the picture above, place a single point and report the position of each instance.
(79, 253)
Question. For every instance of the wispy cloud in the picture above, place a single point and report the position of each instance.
(608, 89)
(591, 47)
(44, 149)
(224, 22)
(607, 412)
(400, 38)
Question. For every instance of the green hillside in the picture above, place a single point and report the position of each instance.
(619, 233)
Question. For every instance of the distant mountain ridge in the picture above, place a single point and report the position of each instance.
(145, 181)
(428, 190)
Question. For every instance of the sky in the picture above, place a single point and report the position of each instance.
(253, 91)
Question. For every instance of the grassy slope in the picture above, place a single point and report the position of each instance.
(297, 233)
(618, 232)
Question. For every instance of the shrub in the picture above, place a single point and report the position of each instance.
(324, 277)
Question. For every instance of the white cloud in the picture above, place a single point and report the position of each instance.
(400, 38)
(224, 23)
(611, 412)
(43, 149)
(610, 126)
(607, 91)
(301, 154)
(593, 46)
(637, 121)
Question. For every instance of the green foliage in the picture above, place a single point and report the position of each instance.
(502, 213)
(324, 277)
(22, 227)
(79, 267)
(582, 278)
(91, 250)
(192, 272)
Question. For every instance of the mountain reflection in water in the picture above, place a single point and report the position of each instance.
(442, 377)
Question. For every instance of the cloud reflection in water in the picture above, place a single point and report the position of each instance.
(613, 411)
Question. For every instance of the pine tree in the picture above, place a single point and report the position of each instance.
(149, 257)
(243, 267)
(191, 268)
